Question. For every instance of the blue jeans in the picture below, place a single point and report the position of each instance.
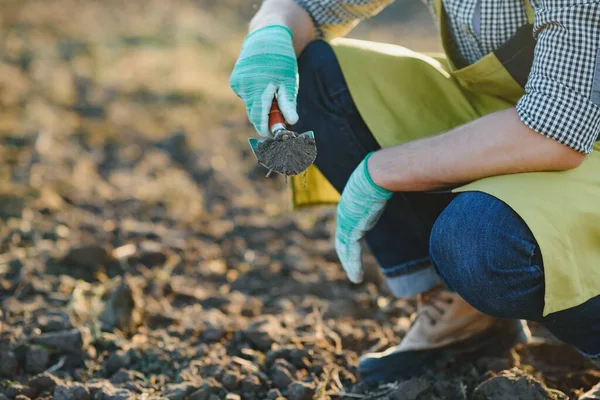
(472, 242)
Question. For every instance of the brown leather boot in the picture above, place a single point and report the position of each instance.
(443, 327)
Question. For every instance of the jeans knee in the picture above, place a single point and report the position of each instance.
(486, 253)
(451, 251)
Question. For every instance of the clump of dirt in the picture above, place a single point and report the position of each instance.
(289, 156)
(515, 384)
(143, 254)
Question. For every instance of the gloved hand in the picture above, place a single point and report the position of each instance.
(267, 65)
(359, 209)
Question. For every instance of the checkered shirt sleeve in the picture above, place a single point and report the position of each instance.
(334, 18)
(562, 95)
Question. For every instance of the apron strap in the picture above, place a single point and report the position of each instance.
(437, 8)
(529, 10)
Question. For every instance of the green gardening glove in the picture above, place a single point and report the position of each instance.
(360, 207)
(267, 65)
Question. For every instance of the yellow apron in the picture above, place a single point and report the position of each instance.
(403, 96)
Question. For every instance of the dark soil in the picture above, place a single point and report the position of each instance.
(288, 157)
(144, 255)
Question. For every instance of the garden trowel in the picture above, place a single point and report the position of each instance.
(287, 152)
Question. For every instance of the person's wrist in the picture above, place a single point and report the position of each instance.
(371, 170)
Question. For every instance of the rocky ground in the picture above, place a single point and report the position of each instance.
(143, 254)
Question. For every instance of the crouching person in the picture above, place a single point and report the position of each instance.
(472, 176)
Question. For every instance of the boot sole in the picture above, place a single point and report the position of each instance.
(404, 365)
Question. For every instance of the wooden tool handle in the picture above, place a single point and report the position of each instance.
(276, 119)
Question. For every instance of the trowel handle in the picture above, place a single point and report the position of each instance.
(276, 120)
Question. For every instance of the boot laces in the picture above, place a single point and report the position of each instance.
(432, 304)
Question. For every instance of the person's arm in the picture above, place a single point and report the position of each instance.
(554, 125)
(267, 66)
(316, 19)
(287, 13)
(497, 144)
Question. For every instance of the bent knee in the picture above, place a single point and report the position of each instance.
(484, 251)
(467, 231)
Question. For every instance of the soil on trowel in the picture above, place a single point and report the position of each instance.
(142, 258)
(287, 157)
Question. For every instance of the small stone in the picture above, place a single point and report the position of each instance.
(45, 381)
(251, 384)
(95, 387)
(176, 146)
(124, 376)
(70, 341)
(54, 323)
(231, 380)
(283, 363)
(74, 392)
(123, 308)
(264, 332)
(61, 392)
(411, 389)
(119, 394)
(232, 396)
(106, 391)
(124, 252)
(213, 370)
(301, 391)
(22, 397)
(179, 391)
(273, 394)
(87, 257)
(16, 389)
(152, 254)
(282, 377)
(37, 359)
(252, 307)
(210, 387)
(515, 384)
(80, 392)
(115, 362)
(135, 387)
(299, 358)
(201, 394)
(8, 365)
(213, 334)
(11, 206)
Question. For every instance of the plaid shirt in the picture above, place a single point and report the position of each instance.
(562, 94)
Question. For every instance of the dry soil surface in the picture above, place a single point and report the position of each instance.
(143, 254)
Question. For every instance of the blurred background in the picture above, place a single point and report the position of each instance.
(143, 254)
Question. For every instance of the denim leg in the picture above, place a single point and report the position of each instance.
(400, 239)
(485, 251)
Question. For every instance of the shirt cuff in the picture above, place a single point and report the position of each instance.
(560, 114)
